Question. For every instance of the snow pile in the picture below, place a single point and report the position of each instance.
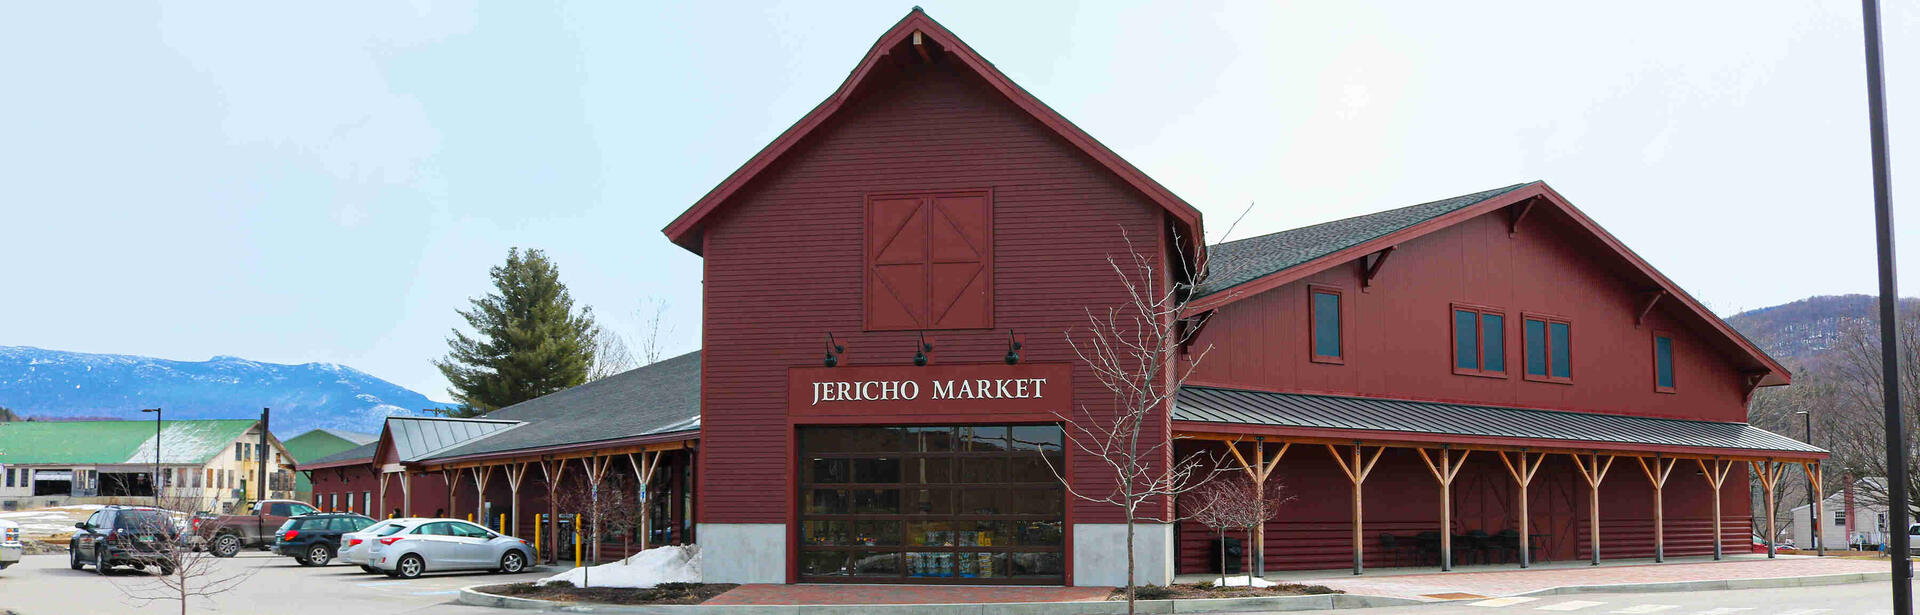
(1241, 581)
(645, 569)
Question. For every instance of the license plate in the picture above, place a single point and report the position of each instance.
(145, 539)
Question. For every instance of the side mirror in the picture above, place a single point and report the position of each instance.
(82, 525)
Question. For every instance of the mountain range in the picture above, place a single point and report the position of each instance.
(1800, 333)
(54, 384)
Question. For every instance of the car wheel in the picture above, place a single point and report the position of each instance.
(100, 561)
(409, 567)
(319, 555)
(513, 562)
(226, 545)
(73, 555)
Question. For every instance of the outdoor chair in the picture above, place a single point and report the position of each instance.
(1427, 545)
(1507, 544)
(1390, 547)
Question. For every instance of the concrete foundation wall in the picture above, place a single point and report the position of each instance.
(743, 552)
(1100, 554)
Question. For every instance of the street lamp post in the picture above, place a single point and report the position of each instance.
(156, 454)
(1902, 577)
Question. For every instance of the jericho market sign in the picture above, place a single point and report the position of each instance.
(941, 389)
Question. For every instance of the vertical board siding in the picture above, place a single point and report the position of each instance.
(784, 266)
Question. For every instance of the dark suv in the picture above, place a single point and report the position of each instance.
(314, 539)
(136, 536)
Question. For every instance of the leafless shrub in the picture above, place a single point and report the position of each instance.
(173, 545)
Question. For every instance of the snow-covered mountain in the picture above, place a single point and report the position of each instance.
(56, 384)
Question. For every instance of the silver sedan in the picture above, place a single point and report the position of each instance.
(355, 546)
(435, 545)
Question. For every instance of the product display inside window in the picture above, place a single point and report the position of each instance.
(920, 504)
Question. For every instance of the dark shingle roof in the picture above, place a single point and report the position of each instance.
(1238, 262)
(1214, 405)
(362, 452)
(657, 399)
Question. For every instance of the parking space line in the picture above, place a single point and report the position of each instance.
(1500, 602)
(1639, 609)
(1570, 605)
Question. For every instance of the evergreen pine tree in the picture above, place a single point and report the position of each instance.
(528, 338)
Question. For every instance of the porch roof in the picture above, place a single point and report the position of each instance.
(1330, 416)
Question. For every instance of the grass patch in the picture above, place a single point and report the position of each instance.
(562, 591)
(1207, 590)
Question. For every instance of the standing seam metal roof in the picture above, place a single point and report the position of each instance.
(1216, 405)
(416, 438)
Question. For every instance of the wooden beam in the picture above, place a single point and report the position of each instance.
(1653, 299)
(1716, 477)
(1369, 270)
(1657, 474)
(1357, 472)
(1522, 474)
(480, 476)
(1570, 449)
(1769, 474)
(1593, 473)
(1819, 495)
(1518, 212)
(1444, 472)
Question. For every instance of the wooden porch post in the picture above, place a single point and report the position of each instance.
(643, 473)
(1444, 472)
(1819, 494)
(1593, 474)
(452, 479)
(1716, 477)
(383, 491)
(406, 493)
(1523, 474)
(596, 469)
(480, 476)
(1356, 474)
(1258, 471)
(516, 473)
(1657, 474)
(1769, 473)
(553, 471)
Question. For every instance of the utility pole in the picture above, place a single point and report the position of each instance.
(1889, 324)
(266, 454)
(156, 454)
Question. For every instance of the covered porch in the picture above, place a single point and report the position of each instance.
(1396, 483)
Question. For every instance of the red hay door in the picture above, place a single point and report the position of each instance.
(930, 261)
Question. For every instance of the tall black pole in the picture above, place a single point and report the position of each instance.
(265, 455)
(156, 455)
(1889, 324)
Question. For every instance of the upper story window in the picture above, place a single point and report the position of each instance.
(929, 261)
(1326, 324)
(1479, 341)
(1549, 348)
(1663, 362)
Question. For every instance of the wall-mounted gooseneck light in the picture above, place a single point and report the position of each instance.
(1013, 348)
(833, 351)
(921, 349)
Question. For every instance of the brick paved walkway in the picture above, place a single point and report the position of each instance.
(1511, 582)
(904, 594)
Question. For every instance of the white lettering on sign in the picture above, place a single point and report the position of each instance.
(908, 390)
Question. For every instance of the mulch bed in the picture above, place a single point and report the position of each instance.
(665, 593)
(1206, 590)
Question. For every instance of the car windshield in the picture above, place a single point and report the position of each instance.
(390, 530)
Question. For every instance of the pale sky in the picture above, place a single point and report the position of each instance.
(330, 182)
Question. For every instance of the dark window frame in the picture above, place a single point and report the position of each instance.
(1547, 347)
(1313, 326)
(1480, 312)
(1672, 369)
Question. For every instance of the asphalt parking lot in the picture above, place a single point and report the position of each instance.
(44, 585)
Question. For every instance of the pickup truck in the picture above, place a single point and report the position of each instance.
(225, 535)
(10, 546)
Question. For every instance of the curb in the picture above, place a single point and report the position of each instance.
(1718, 584)
(472, 596)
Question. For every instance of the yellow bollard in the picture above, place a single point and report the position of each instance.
(576, 541)
(503, 524)
(536, 535)
(469, 517)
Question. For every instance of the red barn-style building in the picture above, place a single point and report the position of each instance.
(1486, 377)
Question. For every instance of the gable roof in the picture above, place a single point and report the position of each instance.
(416, 438)
(653, 400)
(686, 230)
(1247, 267)
(359, 454)
(323, 442)
(191, 442)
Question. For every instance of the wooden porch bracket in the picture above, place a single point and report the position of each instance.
(1653, 298)
(1769, 472)
(516, 474)
(1819, 493)
(1657, 474)
(452, 479)
(1368, 270)
(643, 472)
(480, 476)
(383, 491)
(1258, 472)
(1717, 476)
(1593, 474)
(596, 469)
(1518, 212)
(1357, 474)
(553, 470)
(1445, 472)
(1522, 473)
(406, 493)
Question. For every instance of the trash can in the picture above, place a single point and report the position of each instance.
(1234, 554)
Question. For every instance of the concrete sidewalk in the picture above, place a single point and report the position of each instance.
(1508, 580)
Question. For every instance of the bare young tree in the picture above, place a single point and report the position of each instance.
(1856, 420)
(1236, 503)
(1210, 508)
(169, 543)
(599, 502)
(1134, 352)
(651, 345)
(610, 354)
